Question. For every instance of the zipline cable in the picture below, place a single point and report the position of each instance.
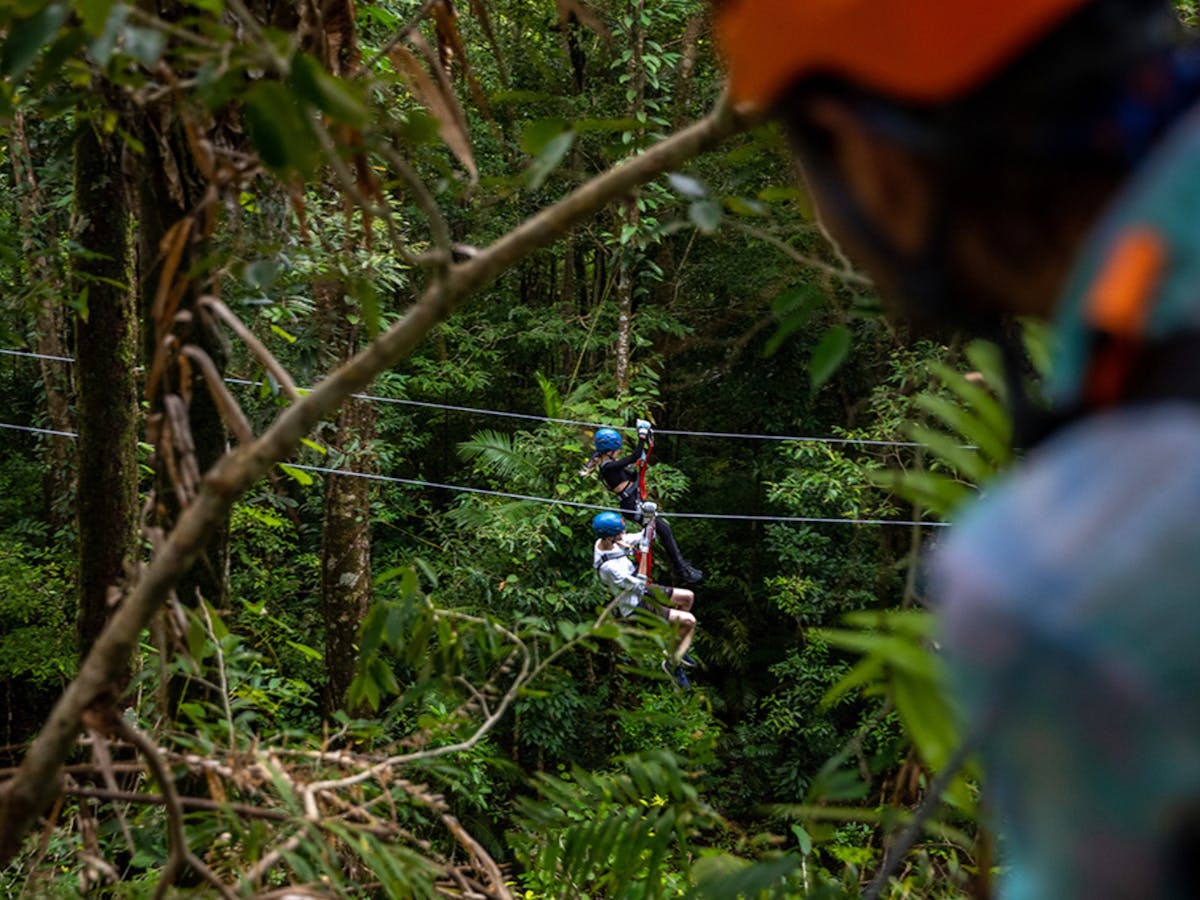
(798, 439)
(459, 488)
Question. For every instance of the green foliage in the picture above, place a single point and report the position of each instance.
(620, 834)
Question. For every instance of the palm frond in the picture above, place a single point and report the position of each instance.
(497, 453)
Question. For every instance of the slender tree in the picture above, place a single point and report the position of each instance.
(106, 354)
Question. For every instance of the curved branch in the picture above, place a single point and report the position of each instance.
(179, 853)
(253, 344)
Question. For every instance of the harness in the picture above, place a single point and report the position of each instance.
(608, 555)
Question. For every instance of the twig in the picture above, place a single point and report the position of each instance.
(346, 179)
(909, 836)
(412, 25)
(253, 344)
(105, 764)
(222, 399)
(223, 682)
(187, 35)
(179, 853)
(437, 221)
(258, 871)
(844, 273)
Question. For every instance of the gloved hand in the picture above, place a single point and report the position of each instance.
(644, 429)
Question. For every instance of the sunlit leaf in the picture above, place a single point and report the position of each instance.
(299, 474)
(687, 186)
(705, 215)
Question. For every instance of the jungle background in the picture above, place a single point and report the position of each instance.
(370, 656)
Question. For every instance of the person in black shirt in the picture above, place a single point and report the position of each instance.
(620, 476)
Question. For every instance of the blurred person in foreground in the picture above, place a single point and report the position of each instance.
(986, 159)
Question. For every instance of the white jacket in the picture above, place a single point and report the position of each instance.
(617, 569)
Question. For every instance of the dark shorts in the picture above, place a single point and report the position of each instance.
(658, 601)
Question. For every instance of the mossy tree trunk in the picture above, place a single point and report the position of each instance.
(105, 358)
(346, 531)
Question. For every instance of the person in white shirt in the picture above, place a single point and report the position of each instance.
(613, 559)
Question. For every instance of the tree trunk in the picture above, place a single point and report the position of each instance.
(105, 359)
(630, 216)
(346, 531)
(51, 329)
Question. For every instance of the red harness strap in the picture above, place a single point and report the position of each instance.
(646, 558)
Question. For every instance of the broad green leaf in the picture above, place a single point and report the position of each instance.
(934, 491)
(793, 308)
(725, 875)
(280, 129)
(740, 206)
(978, 399)
(926, 716)
(336, 98)
(299, 474)
(26, 39)
(313, 445)
(706, 215)
(777, 194)
(828, 356)
(548, 159)
(306, 651)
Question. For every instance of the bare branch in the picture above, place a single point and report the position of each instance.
(845, 273)
(253, 344)
(437, 221)
(226, 405)
(179, 853)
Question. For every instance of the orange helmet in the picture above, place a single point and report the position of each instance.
(915, 50)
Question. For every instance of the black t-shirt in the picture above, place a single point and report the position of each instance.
(615, 472)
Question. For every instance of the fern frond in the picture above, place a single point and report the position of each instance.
(497, 453)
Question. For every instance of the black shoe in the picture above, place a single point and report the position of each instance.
(688, 573)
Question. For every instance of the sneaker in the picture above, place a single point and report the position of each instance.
(676, 673)
(689, 574)
(688, 661)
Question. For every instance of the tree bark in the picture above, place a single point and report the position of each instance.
(105, 360)
(630, 215)
(346, 521)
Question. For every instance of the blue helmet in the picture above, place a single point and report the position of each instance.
(607, 439)
(608, 524)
